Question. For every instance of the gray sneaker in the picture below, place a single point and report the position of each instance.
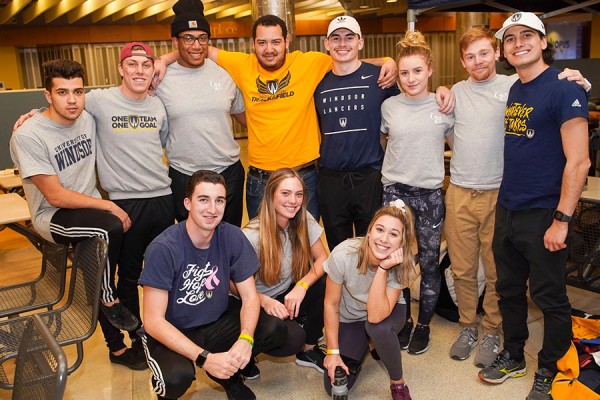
(488, 351)
(467, 340)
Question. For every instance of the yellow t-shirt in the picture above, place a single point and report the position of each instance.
(283, 130)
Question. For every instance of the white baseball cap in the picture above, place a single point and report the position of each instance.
(344, 21)
(522, 18)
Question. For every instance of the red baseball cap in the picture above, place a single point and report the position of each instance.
(136, 49)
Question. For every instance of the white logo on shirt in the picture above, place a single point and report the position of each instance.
(216, 85)
(198, 284)
(576, 103)
(502, 96)
(343, 122)
(436, 118)
(365, 77)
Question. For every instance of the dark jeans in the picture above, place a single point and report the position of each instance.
(347, 201)
(173, 374)
(520, 255)
(256, 183)
(234, 181)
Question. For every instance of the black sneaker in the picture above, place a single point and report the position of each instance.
(311, 358)
(542, 385)
(251, 371)
(503, 368)
(419, 343)
(405, 334)
(120, 316)
(236, 390)
(138, 347)
(130, 359)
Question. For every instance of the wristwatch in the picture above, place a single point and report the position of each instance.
(561, 216)
(202, 358)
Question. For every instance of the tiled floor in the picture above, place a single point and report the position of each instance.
(430, 376)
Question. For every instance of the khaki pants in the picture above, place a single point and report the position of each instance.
(469, 230)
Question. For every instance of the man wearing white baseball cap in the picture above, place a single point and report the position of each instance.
(348, 101)
(545, 165)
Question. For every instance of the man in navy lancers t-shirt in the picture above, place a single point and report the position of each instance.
(189, 316)
(545, 164)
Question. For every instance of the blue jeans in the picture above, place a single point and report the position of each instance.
(255, 187)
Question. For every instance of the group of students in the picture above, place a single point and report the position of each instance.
(215, 296)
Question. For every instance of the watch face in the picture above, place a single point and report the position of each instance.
(560, 216)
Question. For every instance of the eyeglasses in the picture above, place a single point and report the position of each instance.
(190, 39)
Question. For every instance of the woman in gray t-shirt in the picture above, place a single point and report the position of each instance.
(290, 280)
(363, 299)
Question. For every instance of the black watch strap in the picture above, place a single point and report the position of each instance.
(561, 216)
(202, 358)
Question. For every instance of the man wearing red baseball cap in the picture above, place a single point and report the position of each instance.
(131, 130)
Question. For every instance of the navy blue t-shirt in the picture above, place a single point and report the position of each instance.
(197, 279)
(350, 118)
(534, 160)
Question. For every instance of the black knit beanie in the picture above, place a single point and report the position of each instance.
(189, 15)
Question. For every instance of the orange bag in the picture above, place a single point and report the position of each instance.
(566, 385)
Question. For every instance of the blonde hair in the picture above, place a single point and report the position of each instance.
(401, 273)
(414, 43)
(270, 244)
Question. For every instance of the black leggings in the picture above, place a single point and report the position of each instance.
(428, 208)
(311, 318)
(353, 339)
(173, 374)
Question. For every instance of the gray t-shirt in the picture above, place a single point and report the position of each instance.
(252, 233)
(415, 150)
(341, 267)
(477, 155)
(131, 134)
(199, 102)
(42, 146)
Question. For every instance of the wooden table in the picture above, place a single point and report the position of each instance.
(585, 251)
(9, 182)
(13, 209)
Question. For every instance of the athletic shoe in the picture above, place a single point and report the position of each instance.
(236, 390)
(400, 392)
(311, 358)
(251, 371)
(503, 368)
(405, 334)
(120, 317)
(542, 385)
(488, 350)
(130, 359)
(419, 343)
(467, 340)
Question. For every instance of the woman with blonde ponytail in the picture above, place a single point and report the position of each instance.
(413, 171)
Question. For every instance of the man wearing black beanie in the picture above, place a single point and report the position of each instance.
(200, 97)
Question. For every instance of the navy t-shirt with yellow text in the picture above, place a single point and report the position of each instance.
(534, 160)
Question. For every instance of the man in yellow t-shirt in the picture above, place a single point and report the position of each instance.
(278, 90)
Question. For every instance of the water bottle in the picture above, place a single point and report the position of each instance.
(339, 389)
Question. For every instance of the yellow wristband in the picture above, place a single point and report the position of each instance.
(333, 351)
(385, 59)
(303, 284)
(247, 338)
